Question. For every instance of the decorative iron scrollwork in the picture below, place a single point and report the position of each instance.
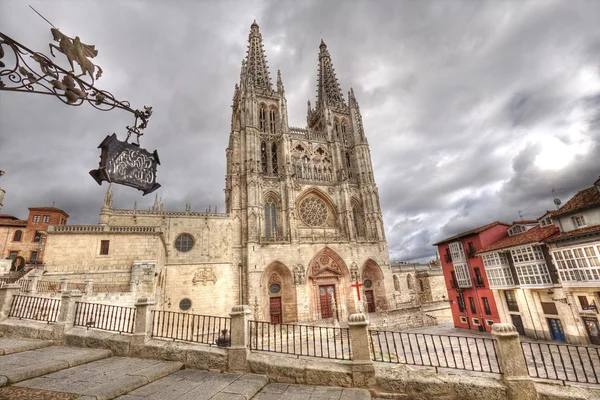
(34, 72)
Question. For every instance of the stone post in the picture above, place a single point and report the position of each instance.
(64, 282)
(143, 322)
(363, 371)
(89, 286)
(66, 313)
(512, 363)
(238, 352)
(7, 292)
(34, 278)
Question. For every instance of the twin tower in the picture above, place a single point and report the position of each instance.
(307, 219)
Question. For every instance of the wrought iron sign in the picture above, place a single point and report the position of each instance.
(23, 70)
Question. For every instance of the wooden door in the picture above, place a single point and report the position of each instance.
(556, 329)
(518, 323)
(370, 301)
(275, 308)
(326, 293)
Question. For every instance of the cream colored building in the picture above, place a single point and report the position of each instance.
(302, 223)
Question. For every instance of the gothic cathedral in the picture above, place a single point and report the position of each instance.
(304, 205)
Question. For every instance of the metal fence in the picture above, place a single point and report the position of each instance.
(300, 340)
(439, 351)
(562, 362)
(189, 327)
(105, 317)
(36, 308)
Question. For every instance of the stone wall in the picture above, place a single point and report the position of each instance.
(398, 319)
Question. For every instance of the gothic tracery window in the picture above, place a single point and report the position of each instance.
(263, 157)
(270, 219)
(313, 212)
(272, 116)
(348, 164)
(274, 158)
(355, 219)
(344, 136)
(262, 119)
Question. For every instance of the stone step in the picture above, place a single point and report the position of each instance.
(18, 367)
(275, 391)
(104, 379)
(17, 345)
(192, 384)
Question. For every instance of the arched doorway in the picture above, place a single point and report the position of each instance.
(329, 286)
(280, 294)
(372, 279)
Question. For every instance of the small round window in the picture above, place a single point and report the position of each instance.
(184, 242)
(368, 283)
(275, 288)
(185, 304)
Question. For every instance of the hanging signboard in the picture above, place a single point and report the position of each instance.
(126, 164)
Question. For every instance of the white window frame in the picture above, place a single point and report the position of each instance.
(463, 278)
(531, 267)
(578, 265)
(578, 221)
(497, 270)
(457, 252)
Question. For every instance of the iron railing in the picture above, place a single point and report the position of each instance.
(300, 340)
(76, 286)
(438, 351)
(562, 362)
(104, 317)
(48, 287)
(195, 328)
(36, 308)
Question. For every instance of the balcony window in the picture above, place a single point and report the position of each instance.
(578, 264)
(472, 304)
(531, 266)
(478, 278)
(527, 253)
(36, 218)
(497, 270)
(462, 275)
(579, 221)
(511, 301)
(457, 252)
(486, 306)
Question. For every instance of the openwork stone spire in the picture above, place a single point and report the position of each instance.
(108, 197)
(257, 71)
(328, 88)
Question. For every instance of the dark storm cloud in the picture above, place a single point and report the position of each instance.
(463, 102)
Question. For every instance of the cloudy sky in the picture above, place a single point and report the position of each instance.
(474, 110)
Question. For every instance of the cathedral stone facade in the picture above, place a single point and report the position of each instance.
(303, 221)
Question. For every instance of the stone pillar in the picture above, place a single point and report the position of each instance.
(89, 286)
(34, 278)
(363, 371)
(303, 295)
(64, 282)
(238, 352)
(512, 363)
(66, 313)
(143, 321)
(7, 292)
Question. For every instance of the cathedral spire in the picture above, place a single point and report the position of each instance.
(256, 69)
(108, 197)
(328, 88)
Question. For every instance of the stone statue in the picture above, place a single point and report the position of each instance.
(299, 275)
(353, 272)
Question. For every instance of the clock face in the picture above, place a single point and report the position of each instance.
(313, 212)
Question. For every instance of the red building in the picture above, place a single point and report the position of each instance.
(471, 299)
(27, 238)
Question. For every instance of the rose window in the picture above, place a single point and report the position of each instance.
(313, 212)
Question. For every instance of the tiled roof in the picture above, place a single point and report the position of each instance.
(585, 198)
(7, 216)
(534, 235)
(471, 232)
(49, 209)
(9, 220)
(551, 212)
(588, 230)
(525, 222)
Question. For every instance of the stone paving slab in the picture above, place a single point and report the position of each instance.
(200, 385)
(104, 379)
(15, 345)
(18, 367)
(277, 391)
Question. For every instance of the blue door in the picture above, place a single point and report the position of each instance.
(556, 329)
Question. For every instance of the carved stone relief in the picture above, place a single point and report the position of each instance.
(204, 275)
(299, 275)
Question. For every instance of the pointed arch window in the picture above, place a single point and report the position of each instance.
(355, 219)
(272, 119)
(348, 165)
(262, 119)
(336, 129)
(18, 235)
(274, 158)
(270, 219)
(263, 157)
(344, 136)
